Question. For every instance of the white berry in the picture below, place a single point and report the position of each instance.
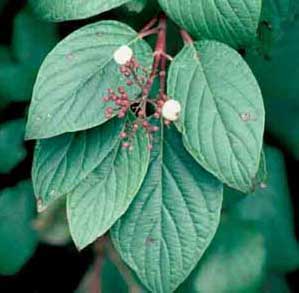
(171, 110)
(123, 54)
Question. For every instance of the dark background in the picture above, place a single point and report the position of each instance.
(60, 269)
(51, 269)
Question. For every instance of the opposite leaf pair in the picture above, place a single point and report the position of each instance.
(97, 175)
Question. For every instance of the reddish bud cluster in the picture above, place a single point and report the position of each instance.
(134, 73)
(120, 100)
(159, 105)
(137, 75)
(130, 130)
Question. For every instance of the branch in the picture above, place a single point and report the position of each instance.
(149, 24)
(95, 281)
(186, 37)
(159, 51)
(122, 268)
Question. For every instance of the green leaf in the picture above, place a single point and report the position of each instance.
(61, 163)
(235, 261)
(280, 88)
(294, 8)
(31, 41)
(276, 284)
(16, 81)
(60, 10)
(135, 6)
(222, 117)
(232, 196)
(270, 209)
(12, 149)
(106, 193)
(75, 76)
(18, 239)
(137, 20)
(32, 38)
(173, 218)
(4, 54)
(234, 22)
(274, 14)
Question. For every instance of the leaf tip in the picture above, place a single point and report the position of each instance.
(40, 205)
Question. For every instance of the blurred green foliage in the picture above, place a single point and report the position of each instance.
(18, 238)
(31, 40)
(255, 245)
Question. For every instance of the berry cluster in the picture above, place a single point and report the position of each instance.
(121, 101)
(136, 75)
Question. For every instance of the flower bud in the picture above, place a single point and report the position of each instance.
(123, 135)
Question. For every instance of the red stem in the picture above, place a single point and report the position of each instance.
(149, 24)
(95, 285)
(161, 42)
(159, 52)
(186, 37)
(162, 75)
(148, 33)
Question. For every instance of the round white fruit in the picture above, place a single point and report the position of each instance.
(171, 110)
(123, 54)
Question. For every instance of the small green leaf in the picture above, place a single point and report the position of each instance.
(106, 193)
(18, 239)
(222, 117)
(234, 22)
(60, 10)
(173, 218)
(235, 261)
(68, 94)
(12, 149)
(61, 163)
(135, 6)
(270, 209)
